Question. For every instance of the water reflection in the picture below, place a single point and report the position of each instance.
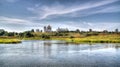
(59, 54)
(50, 48)
(47, 49)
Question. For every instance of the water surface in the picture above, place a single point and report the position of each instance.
(58, 54)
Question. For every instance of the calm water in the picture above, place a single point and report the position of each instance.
(59, 54)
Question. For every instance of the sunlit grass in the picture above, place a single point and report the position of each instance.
(93, 39)
(112, 38)
(97, 39)
(9, 40)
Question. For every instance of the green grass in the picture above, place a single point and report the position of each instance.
(9, 40)
(89, 39)
(34, 38)
(112, 38)
(96, 39)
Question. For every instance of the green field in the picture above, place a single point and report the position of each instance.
(109, 38)
(8, 40)
(96, 39)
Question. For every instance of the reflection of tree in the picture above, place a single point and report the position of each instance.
(37, 46)
(90, 45)
(117, 46)
(34, 47)
(62, 47)
(47, 49)
(100, 46)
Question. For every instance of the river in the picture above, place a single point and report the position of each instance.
(36, 53)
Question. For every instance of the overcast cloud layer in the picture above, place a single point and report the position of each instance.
(21, 15)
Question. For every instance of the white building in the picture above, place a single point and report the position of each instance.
(47, 28)
(62, 30)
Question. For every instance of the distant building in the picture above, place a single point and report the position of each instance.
(37, 30)
(62, 30)
(47, 28)
(90, 30)
(116, 30)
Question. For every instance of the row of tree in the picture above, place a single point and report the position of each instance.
(31, 33)
(25, 34)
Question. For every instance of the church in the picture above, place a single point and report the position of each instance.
(47, 28)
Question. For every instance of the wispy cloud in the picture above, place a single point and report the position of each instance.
(59, 13)
(110, 9)
(13, 20)
(46, 11)
(89, 25)
(88, 12)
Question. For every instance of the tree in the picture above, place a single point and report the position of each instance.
(2, 32)
(77, 30)
(32, 30)
(28, 34)
(58, 34)
(6, 33)
(11, 34)
(45, 36)
(21, 35)
(71, 37)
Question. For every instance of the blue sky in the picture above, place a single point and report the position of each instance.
(22, 15)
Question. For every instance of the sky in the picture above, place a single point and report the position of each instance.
(22, 15)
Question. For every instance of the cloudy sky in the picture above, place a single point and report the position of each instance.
(21, 15)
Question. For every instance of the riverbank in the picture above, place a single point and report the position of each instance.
(9, 40)
(88, 39)
(96, 39)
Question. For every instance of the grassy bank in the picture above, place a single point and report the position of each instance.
(7, 40)
(88, 39)
(96, 39)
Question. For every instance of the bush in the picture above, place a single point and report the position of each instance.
(45, 36)
(28, 34)
(72, 37)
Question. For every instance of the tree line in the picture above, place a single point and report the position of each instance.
(47, 35)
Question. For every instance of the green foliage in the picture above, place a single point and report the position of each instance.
(96, 39)
(21, 35)
(92, 34)
(32, 30)
(9, 40)
(71, 37)
(61, 34)
(45, 36)
(28, 34)
(11, 34)
(58, 34)
(2, 32)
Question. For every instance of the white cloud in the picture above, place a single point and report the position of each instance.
(85, 26)
(23, 25)
(58, 9)
(110, 9)
(13, 20)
